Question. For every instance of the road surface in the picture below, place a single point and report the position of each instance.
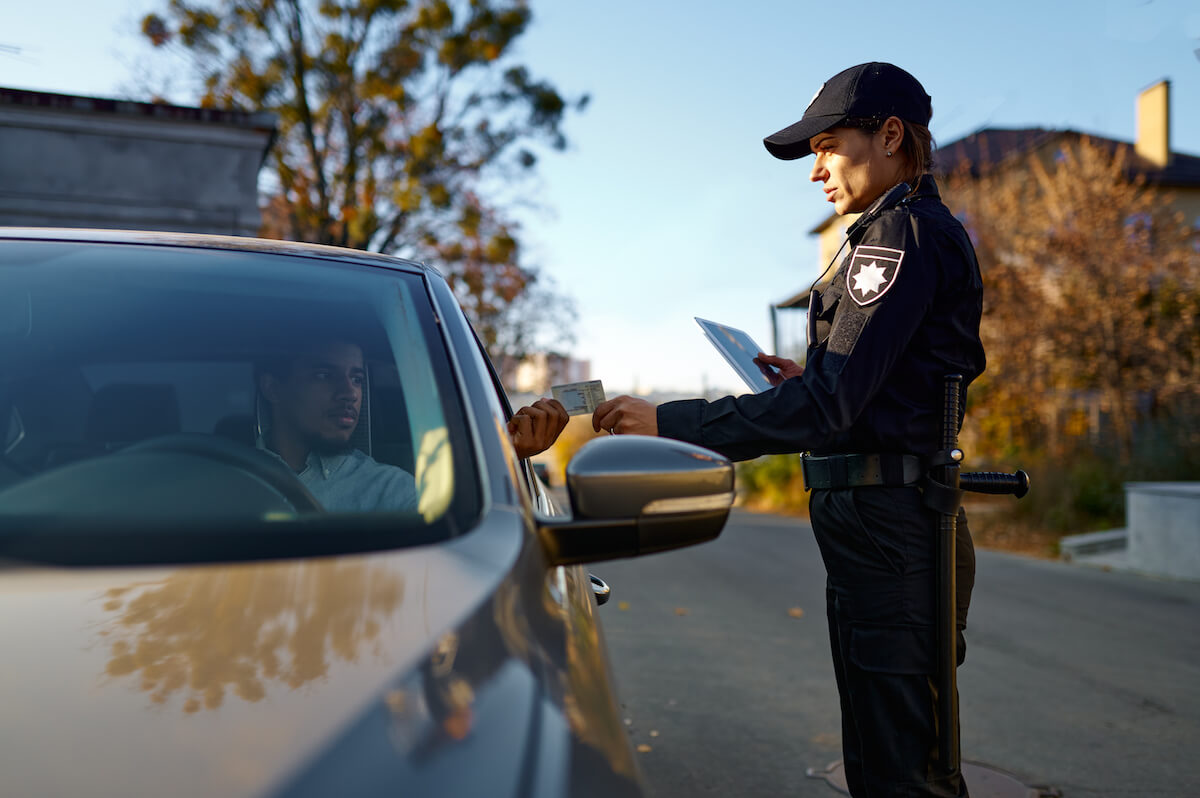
(1078, 678)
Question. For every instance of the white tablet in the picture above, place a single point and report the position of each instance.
(739, 350)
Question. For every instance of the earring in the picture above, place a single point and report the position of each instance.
(889, 153)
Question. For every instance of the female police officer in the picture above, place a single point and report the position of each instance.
(901, 312)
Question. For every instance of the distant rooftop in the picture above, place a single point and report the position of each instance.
(993, 146)
(101, 105)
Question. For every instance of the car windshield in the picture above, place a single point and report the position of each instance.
(147, 384)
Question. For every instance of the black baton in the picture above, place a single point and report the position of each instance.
(946, 473)
(943, 492)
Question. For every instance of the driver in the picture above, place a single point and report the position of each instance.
(315, 401)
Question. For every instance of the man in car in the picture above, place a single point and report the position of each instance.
(315, 400)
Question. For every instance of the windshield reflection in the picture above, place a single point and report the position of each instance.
(205, 633)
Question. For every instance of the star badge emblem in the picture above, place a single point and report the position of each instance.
(873, 271)
(870, 276)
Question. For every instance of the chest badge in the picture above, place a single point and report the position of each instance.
(873, 270)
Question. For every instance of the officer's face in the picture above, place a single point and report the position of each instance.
(319, 401)
(854, 167)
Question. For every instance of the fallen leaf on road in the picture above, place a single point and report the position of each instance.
(644, 749)
(828, 739)
(622, 605)
(796, 612)
(681, 611)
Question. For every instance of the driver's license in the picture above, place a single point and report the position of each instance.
(579, 397)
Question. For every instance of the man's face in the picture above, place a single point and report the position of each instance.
(319, 402)
(853, 167)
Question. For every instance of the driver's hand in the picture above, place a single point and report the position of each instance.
(535, 428)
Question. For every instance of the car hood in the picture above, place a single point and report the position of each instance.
(220, 680)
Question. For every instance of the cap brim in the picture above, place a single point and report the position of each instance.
(792, 142)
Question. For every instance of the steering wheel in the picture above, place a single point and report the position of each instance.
(227, 452)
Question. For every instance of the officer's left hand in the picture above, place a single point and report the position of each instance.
(787, 368)
(626, 415)
(535, 428)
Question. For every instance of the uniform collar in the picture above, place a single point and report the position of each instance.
(926, 187)
(899, 194)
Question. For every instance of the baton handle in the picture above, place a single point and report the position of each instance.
(950, 411)
(995, 482)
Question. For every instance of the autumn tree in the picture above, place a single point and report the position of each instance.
(1092, 303)
(403, 127)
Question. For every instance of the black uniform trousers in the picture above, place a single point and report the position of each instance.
(880, 553)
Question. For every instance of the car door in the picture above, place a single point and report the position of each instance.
(587, 681)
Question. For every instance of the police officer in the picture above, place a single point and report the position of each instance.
(901, 312)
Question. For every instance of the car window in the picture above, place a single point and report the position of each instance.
(166, 383)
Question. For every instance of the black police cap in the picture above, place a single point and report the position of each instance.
(875, 90)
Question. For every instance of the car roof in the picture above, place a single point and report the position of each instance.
(204, 241)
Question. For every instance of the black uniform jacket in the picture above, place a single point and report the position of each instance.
(901, 312)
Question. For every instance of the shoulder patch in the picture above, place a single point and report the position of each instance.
(873, 270)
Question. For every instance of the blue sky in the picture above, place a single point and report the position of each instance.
(667, 206)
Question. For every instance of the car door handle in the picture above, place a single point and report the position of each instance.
(600, 588)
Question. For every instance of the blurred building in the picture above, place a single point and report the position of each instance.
(534, 374)
(70, 161)
(989, 149)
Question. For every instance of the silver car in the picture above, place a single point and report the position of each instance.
(190, 607)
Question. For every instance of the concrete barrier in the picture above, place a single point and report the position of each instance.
(1089, 544)
(1163, 522)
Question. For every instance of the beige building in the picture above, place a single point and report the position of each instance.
(1173, 172)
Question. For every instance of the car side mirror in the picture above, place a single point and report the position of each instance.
(633, 495)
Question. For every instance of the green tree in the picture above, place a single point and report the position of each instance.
(403, 127)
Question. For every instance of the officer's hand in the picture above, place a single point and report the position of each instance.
(787, 368)
(626, 415)
(535, 428)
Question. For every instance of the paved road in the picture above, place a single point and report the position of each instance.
(1078, 678)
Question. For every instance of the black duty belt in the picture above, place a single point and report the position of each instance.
(837, 471)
